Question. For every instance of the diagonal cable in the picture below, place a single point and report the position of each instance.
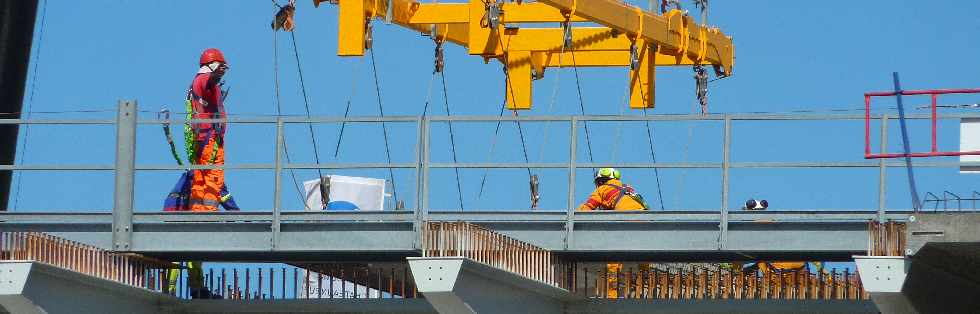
(30, 101)
(384, 128)
(306, 103)
(350, 97)
(452, 139)
(285, 148)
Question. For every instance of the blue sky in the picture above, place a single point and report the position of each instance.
(791, 55)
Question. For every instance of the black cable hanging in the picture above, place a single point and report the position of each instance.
(441, 68)
(343, 125)
(497, 129)
(581, 103)
(306, 103)
(653, 157)
(30, 101)
(520, 131)
(452, 140)
(285, 148)
(493, 144)
(384, 128)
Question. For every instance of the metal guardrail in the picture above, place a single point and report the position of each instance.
(127, 121)
(950, 197)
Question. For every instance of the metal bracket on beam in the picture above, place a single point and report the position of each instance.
(461, 285)
(882, 273)
(122, 212)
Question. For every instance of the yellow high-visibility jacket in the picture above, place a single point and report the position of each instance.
(610, 196)
(766, 267)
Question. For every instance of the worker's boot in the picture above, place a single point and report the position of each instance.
(228, 201)
(201, 293)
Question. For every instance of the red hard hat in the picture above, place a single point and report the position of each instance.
(211, 55)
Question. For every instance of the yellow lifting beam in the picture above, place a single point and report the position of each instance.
(528, 52)
(675, 33)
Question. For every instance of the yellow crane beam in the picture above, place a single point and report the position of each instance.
(674, 33)
(528, 52)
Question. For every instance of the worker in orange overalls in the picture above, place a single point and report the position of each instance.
(611, 194)
(205, 146)
(207, 139)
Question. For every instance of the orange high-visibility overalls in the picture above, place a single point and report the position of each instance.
(206, 188)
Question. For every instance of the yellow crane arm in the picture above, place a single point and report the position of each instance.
(528, 52)
(674, 32)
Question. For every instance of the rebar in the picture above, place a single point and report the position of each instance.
(128, 269)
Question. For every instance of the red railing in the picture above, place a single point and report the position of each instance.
(934, 151)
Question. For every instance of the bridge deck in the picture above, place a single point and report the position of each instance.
(393, 235)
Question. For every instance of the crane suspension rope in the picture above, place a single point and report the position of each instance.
(439, 69)
(493, 145)
(285, 148)
(306, 103)
(581, 104)
(30, 101)
(452, 139)
(384, 128)
(520, 129)
(353, 90)
(496, 131)
(653, 157)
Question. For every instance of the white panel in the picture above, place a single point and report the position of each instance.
(969, 141)
(347, 193)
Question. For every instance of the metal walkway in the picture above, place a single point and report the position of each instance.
(280, 234)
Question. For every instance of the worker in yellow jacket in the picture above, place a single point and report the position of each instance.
(611, 194)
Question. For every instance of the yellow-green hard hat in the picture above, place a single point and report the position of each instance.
(607, 173)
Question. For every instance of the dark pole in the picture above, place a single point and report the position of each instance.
(16, 33)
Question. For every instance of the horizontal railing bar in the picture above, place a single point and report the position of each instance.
(288, 120)
(812, 215)
(266, 166)
(541, 118)
(510, 165)
(49, 167)
(58, 121)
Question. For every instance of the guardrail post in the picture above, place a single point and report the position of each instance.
(420, 152)
(572, 150)
(426, 132)
(882, 169)
(122, 210)
(277, 186)
(726, 160)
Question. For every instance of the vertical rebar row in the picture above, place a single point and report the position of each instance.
(78, 257)
(483, 245)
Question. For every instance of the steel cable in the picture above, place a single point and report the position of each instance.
(30, 101)
(285, 148)
(384, 128)
(306, 103)
(452, 139)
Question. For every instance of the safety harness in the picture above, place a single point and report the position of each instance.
(179, 197)
(625, 191)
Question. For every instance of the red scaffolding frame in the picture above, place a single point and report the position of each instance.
(934, 94)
